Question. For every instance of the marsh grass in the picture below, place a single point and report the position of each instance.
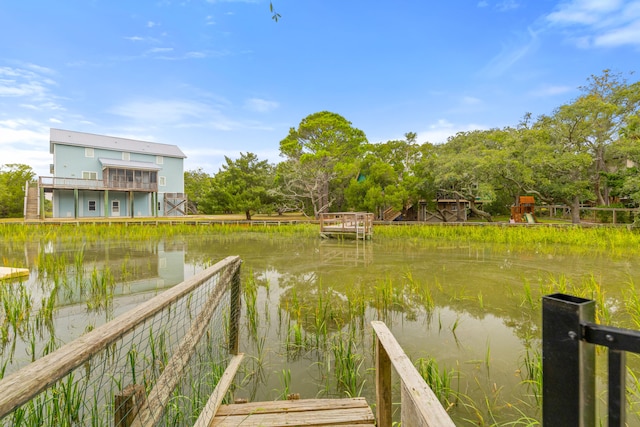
(440, 380)
(328, 324)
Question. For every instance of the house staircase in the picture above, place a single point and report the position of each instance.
(31, 201)
(390, 214)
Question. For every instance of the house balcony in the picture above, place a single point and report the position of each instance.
(62, 183)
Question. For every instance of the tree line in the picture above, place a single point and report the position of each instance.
(585, 152)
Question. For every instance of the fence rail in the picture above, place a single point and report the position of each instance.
(419, 405)
(146, 350)
(569, 337)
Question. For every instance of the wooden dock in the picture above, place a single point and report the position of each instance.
(354, 225)
(10, 272)
(305, 412)
(134, 406)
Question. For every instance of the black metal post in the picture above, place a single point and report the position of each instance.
(617, 377)
(568, 363)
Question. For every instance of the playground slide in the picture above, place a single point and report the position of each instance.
(530, 218)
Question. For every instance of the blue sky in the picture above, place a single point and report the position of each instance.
(221, 77)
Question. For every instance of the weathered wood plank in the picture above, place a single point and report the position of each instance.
(11, 272)
(424, 407)
(152, 411)
(127, 403)
(383, 386)
(307, 412)
(277, 406)
(19, 387)
(215, 400)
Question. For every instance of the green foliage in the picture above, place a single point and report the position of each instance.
(12, 180)
(197, 185)
(242, 185)
(322, 156)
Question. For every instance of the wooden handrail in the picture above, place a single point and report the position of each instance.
(420, 406)
(21, 386)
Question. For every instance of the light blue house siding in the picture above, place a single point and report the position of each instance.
(104, 176)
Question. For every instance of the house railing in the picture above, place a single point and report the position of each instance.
(569, 339)
(94, 184)
(419, 405)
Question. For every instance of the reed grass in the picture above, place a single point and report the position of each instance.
(440, 380)
(325, 320)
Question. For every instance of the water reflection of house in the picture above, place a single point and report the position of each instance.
(105, 176)
(135, 267)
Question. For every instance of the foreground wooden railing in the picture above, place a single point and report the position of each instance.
(419, 405)
(27, 383)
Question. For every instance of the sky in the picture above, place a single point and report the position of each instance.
(220, 77)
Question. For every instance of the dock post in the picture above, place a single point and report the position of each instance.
(568, 362)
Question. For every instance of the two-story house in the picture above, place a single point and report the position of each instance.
(106, 176)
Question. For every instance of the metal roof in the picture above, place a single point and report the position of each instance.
(81, 139)
(126, 164)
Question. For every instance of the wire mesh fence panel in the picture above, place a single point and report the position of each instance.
(155, 365)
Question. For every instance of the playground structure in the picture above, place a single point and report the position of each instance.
(524, 210)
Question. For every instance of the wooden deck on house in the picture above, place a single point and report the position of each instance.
(305, 412)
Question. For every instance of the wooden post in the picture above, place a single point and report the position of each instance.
(75, 203)
(127, 404)
(234, 315)
(42, 212)
(383, 386)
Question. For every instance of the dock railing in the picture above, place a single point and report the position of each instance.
(569, 339)
(357, 224)
(419, 405)
(147, 366)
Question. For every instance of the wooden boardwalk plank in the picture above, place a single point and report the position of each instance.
(11, 272)
(306, 412)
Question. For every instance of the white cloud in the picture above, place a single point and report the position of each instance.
(598, 23)
(177, 113)
(512, 53)
(151, 24)
(160, 50)
(22, 83)
(54, 120)
(507, 5)
(27, 142)
(550, 90)
(629, 35)
(440, 131)
(483, 3)
(470, 100)
(260, 105)
(161, 111)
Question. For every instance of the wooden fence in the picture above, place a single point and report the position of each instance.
(419, 405)
(93, 362)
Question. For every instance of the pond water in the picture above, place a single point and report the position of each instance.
(473, 308)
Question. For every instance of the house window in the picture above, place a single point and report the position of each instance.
(159, 160)
(89, 175)
(88, 152)
(126, 156)
(115, 207)
(162, 181)
(92, 205)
